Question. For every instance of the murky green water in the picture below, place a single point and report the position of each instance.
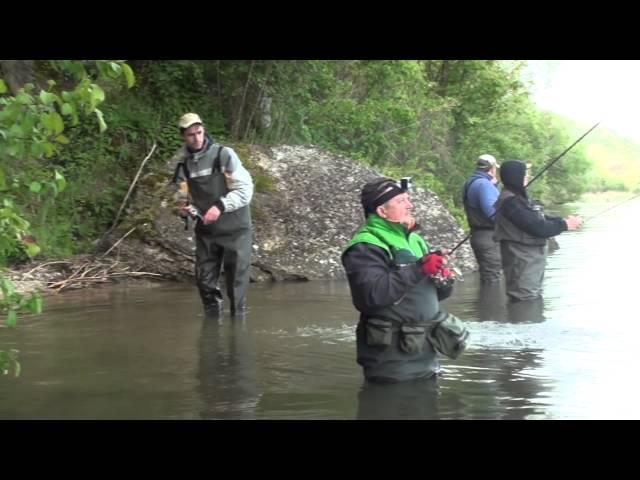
(147, 352)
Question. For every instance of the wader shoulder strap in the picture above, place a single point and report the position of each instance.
(467, 187)
(176, 172)
(216, 161)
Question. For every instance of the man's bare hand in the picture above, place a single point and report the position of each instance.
(212, 215)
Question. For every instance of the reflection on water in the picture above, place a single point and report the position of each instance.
(528, 311)
(147, 352)
(402, 401)
(227, 370)
(490, 305)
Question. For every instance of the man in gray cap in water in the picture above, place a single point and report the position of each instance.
(221, 189)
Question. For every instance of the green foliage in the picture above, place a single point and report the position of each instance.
(430, 119)
(376, 114)
(614, 159)
(34, 124)
(98, 170)
(9, 361)
(169, 89)
(13, 302)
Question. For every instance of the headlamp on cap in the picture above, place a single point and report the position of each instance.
(380, 191)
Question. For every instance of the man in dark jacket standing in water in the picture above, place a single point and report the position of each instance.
(522, 230)
(479, 195)
(221, 190)
(393, 278)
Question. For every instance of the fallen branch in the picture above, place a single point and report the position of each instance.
(126, 197)
(44, 265)
(136, 274)
(117, 243)
(80, 269)
(101, 278)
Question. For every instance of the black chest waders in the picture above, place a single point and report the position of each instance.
(223, 244)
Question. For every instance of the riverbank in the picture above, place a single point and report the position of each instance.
(80, 271)
(305, 209)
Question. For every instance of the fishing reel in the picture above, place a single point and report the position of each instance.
(440, 280)
(193, 213)
(446, 277)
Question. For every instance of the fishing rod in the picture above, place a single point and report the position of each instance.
(536, 177)
(611, 208)
(562, 154)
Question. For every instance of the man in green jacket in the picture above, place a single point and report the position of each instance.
(396, 284)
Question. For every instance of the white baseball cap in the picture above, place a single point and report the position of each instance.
(189, 119)
(487, 160)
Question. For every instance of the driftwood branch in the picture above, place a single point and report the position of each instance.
(44, 265)
(118, 242)
(126, 197)
(94, 272)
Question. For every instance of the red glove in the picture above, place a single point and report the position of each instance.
(446, 273)
(431, 263)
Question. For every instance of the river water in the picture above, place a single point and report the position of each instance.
(147, 352)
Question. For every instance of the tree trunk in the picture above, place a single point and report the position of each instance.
(258, 104)
(17, 73)
(235, 132)
(443, 78)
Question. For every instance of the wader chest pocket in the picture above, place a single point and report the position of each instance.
(412, 338)
(378, 332)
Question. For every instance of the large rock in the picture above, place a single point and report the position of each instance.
(305, 209)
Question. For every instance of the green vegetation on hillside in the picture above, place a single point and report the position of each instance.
(615, 160)
(428, 119)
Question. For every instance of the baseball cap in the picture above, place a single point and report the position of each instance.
(189, 119)
(486, 161)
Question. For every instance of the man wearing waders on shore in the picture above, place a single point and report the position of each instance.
(220, 188)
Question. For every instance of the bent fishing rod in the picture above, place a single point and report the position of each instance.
(549, 165)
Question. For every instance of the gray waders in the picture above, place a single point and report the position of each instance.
(523, 269)
(487, 253)
(231, 251)
(225, 243)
